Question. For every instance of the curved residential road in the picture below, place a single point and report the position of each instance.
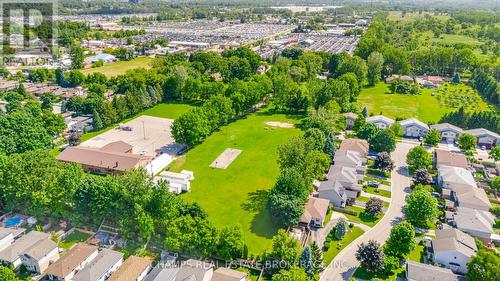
(345, 263)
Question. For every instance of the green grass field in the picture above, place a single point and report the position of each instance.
(163, 110)
(338, 245)
(377, 191)
(398, 16)
(424, 106)
(363, 217)
(237, 195)
(120, 67)
(451, 39)
(366, 199)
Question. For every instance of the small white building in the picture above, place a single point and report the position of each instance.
(414, 128)
(177, 182)
(38, 257)
(453, 249)
(449, 132)
(380, 121)
(11, 256)
(6, 237)
(485, 137)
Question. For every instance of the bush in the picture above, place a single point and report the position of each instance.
(379, 173)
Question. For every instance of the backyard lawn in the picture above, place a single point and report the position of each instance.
(120, 67)
(163, 110)
(237, 195)
(72, 239)
(363, 217)
(338, 245)
(424, 106)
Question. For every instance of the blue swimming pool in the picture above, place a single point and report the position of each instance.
(13, 222)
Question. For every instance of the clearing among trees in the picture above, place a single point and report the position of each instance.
(225, 158)
(148, 135)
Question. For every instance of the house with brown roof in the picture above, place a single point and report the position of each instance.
(453, 249)
(133, 269)
(38, 257)
(448, 158)
(113, 158)
(315, 212)
(358, 145)
(350, 118)
(74, 260)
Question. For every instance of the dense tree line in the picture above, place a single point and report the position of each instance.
(35, 183)
(487, 86)
(484, 119)
(405, 51)
(301, 160)
(27, 125)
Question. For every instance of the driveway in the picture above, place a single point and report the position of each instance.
(345, 263)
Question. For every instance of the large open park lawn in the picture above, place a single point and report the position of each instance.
(120, 67)
(237, 195)
(424, 106)
(163, 110)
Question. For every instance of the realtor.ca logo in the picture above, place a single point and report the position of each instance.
(28, 28)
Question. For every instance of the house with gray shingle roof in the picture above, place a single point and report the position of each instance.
(453, 249)
(190, 270)
(449, 132)
(100, 268)
(380, 121)
(416, 271)
(227, 274)
(476, 223)
(12, 254)
(39, 256)
(485, 137)
(414, 128)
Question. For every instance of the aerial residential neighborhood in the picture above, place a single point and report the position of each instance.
(281, 140)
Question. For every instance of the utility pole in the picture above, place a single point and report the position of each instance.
(143, 130)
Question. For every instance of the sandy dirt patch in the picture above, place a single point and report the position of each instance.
(280, 124)
(225, 158)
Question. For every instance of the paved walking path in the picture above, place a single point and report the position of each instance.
(344, 264)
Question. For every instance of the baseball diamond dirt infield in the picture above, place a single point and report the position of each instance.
(225, 158)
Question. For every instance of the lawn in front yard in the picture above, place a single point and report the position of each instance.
(238, 194)
(72, 239)
(366, 199)
(377, 191)
(120, 67)
(338, 245)
(363, 217)
(170, 110)
(381, 181)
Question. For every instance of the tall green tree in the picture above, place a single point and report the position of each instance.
(418, 158)
(401, 241)
(485, 266)
(77, 57)
(421, 208)
(375, 65)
